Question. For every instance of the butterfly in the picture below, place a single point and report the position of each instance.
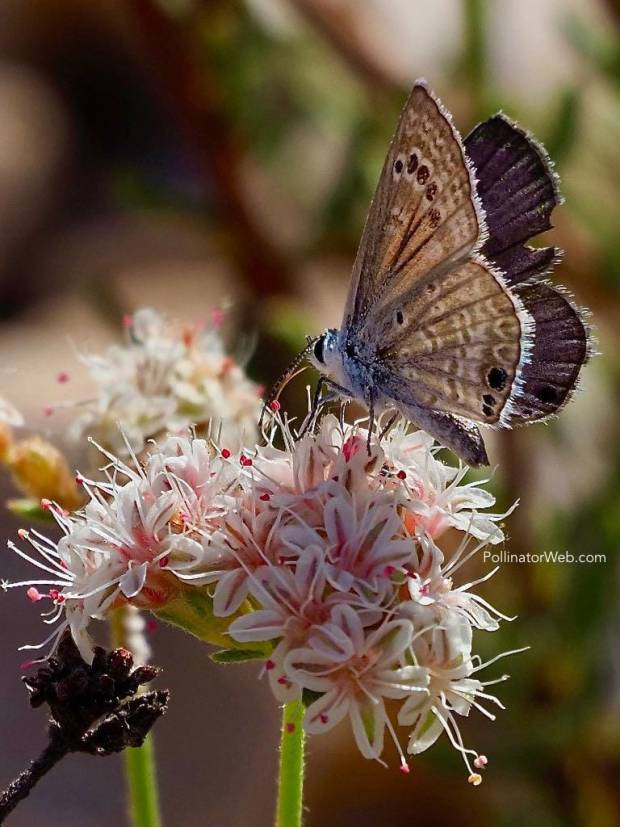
(450, 321)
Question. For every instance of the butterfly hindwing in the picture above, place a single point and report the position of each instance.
(424, 213)
(519, 190)
(561, 346)
(459, 349)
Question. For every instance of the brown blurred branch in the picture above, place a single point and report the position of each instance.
(337, 24)
(191, 94)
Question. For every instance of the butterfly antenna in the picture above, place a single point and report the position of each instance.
(290, 373)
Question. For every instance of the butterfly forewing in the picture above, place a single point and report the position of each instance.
(424, 215)
(459, 347)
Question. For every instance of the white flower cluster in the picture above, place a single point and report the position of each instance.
(166, 378)
(327, 554)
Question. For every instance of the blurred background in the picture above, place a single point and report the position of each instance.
(184, 153)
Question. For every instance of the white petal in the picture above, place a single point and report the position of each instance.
(263, 624)
(133, 580)
(230, 593)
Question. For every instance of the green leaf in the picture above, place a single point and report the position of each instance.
(238, 655)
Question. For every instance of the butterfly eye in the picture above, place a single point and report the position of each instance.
(319, 347)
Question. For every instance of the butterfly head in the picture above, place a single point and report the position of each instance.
(324, 354)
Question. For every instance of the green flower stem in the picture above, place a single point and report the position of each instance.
(292, 764)
(138, 762)
(141, 779)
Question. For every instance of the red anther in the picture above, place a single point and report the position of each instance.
(265, 497)
(290, 727)
(26, 665)
(48, 410)
(56, 596)
(63, 377)
(245, 461)
(404, 767)
(402, 475)
(269, 665)
(22, 533)
(46, 505)
(79, 479)
(151, 624)
(425, 590)
(480, 762)
(389, 571)
(33, 595)
(127, 320)
(275, 405)
(164, 561)
(217, 317)
(225, 453)
(323, 718)
(283, 681)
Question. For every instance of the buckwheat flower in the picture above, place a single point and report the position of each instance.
(361, 550)
(433, 590)
(355, 670)
(444, 652)
(135, 541)
(294, 601)
(165, 378)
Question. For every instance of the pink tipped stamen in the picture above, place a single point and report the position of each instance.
(217, 317)
(323, 718)
(389, 571)
(164, 561)
(127, 320)
(402, 475)
(275, 406)
(27, 664)
(480, 762)
(48, 410)
(63, 377)
(269, 665)
(34, 595)
(246, 462)
(404, 767)
(265, 497)
(225, 453)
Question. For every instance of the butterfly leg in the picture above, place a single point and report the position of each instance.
(335, 391)
(388, 427)
(459, 435)
(371, 417)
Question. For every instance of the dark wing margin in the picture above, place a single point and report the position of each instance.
(561, 346)
(519, 190)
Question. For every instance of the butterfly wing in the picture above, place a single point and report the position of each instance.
(519, 190)
(561, 346)
(460, 346)
(424, 215)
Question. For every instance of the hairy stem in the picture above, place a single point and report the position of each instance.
(292, 765)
